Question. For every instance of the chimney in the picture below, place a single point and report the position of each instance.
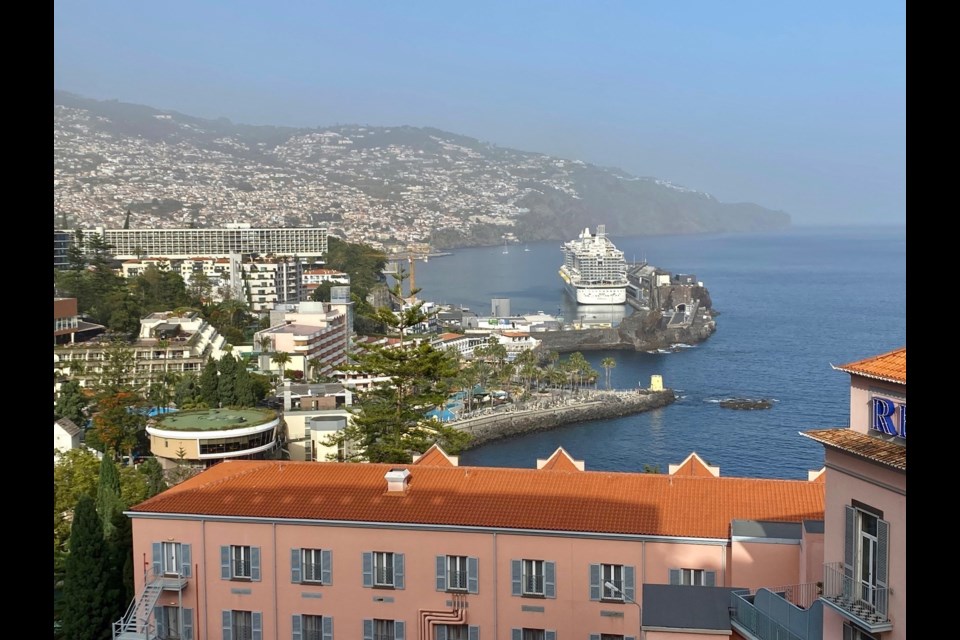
(397, 480)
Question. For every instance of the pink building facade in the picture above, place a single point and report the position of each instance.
(865, 518)
(434, 551)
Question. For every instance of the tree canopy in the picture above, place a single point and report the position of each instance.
(389, 421)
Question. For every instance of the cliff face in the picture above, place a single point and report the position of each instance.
(642, 331)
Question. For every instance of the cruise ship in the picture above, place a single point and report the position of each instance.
(594, 270)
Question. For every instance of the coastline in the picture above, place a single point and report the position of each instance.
(592, 405)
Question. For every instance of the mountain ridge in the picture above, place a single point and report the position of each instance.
(392, 187)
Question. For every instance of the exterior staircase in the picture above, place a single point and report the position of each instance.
(137, 623)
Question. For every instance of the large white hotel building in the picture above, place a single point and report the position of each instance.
(232, 238)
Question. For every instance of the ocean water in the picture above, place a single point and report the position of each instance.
(791, 304)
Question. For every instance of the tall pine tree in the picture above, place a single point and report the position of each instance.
(87, 610)
(108, 494)
(209, 384)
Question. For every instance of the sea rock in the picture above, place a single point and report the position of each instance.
(746, 403)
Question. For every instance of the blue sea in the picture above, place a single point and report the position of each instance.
(791, 304)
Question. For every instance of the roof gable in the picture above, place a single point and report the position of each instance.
(436, 457)
(694, 465)
(560, 460)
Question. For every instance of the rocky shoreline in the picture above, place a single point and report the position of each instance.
(643, 330)
(593, 405)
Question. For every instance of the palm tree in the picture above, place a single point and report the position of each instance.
(314, 365)
(281, 359)
(608, 364)
(265, 343)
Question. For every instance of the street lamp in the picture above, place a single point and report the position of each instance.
(626, 598)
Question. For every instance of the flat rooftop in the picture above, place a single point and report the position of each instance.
(215, 419)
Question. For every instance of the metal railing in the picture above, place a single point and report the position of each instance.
(383, 576)
(456, 580)
(862, 601)
(759, 624)
(799, 595)
(533, 584)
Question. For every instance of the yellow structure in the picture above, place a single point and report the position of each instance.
(656, 383)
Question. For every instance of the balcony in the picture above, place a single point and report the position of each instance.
(778, 613)
(863, 604)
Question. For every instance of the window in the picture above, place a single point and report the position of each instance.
(457, 632)
(313, 566)
(865, 555)
(172, 559)
(384, 630)
(457, 573)
(696, 577)
(383, 569)
(312, 628)
(174, 623)
(535, 578)
(612, 582)
(852, 632)
(532, 634)
(240, 562)
(242, 625)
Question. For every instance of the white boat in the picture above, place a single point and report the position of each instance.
(594, 270)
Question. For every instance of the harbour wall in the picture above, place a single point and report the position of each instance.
(597, 405)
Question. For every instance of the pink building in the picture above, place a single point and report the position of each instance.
(257, 550)
(865, 518)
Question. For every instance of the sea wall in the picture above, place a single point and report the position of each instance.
(597, 405)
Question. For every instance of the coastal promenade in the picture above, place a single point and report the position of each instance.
(508, 421)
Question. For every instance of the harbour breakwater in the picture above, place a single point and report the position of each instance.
(594, 405)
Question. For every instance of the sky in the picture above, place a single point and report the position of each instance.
(795, 106)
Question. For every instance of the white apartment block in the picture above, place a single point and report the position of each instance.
(267, 282)
(167, 343)
(308, 243)
(316, 336)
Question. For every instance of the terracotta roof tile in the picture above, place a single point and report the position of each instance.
(590, 501)
(860, 444)
(890, 366)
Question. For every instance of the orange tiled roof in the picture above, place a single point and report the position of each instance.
(863, 445)
(890, 366)
(590, 501)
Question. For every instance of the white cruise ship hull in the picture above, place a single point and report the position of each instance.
(598, 295)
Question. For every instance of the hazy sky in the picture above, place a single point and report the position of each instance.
(798, 106)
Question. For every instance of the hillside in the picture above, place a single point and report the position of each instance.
(393, 187)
